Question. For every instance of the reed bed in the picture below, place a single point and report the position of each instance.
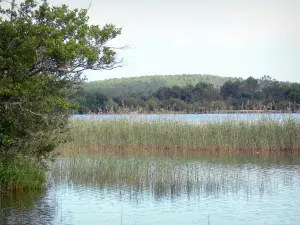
(164, 176)
(20, 174)
(93, 155)
(233, 136)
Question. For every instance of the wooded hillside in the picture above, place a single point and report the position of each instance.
(147, 85)
(188, 93)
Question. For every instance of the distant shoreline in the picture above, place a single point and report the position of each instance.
(208, 112)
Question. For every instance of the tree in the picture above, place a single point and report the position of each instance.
(164, 93)
(204, 92)
(44, 51)
(151, 104)
(96, 101)
(230, 89)
(251, 84)
(292, 95)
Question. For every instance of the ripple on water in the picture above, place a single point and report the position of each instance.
(204, 193)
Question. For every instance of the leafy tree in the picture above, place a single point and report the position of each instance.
(249, 88)
(152, 104)
(132, 102)
(111, 105)
(204, 92)
(292, 93)
(230, 89)
(96, 101)
(43, 52)
(168, 92)
(251, 84)
(187, 93)
(274, 92)
(178, 105)
(164, 93)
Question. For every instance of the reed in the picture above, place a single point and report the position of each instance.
(19, 174)
(161, 176)
(93, 155)
(129, 134)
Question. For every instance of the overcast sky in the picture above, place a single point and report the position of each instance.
(228, 38)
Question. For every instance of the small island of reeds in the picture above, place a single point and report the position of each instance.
(263, 135)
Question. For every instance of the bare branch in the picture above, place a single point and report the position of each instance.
(13, 2)
(125, 47)
(89, 6)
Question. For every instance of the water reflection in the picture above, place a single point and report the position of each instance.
(216, 157)
(163, 177)
(27, 207)
(160, 189)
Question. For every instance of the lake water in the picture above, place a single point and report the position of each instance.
(190, 189)
(192, 118)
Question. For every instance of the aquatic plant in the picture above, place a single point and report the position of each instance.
(161, 176)
(132, 135)
(19, 174)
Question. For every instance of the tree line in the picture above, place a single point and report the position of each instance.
(147, 85)
(235, 94)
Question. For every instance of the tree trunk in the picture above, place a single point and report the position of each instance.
(12, 9)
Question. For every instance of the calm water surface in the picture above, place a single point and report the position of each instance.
(192, 118)
(162, 190)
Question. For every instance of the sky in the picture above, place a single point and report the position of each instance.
(235, 38)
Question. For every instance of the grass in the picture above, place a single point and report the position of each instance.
(127, 134)
(20, 174)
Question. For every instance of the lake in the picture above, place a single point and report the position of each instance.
(162, 189)
(192, 118)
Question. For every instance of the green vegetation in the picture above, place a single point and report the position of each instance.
(130, 154)
(20, 174)
(127, 135)
(189, 94)
(160, 176)
(43, 52)
(146, 85)
(21, 199)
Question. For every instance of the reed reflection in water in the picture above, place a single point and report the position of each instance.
(102, 188)
(164, 176)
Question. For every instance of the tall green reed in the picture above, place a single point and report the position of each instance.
(162, 176)
(20, 174)
(265, 134)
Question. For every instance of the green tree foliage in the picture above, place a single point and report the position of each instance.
(231, 89)
(148, 85)
(43, 52)
(236, 94)
(92, 102)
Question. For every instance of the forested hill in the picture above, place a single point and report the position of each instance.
(147, 85)
(188, 93)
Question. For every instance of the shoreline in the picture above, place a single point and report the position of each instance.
(202, 113)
